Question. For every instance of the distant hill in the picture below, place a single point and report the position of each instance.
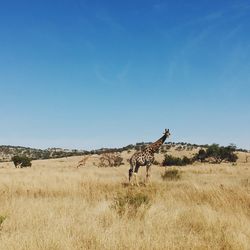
(7, 151)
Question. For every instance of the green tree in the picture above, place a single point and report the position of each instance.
(22, 161)
(214, 151)
(218, 153)
(227, 153)
(201, 155)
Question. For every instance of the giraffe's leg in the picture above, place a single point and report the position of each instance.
(135, 174)
(148, 172)
(130, 173)
(135, 179)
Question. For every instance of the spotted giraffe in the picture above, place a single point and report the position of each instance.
(145, 157)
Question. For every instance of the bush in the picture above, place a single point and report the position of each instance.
(186, 160)
(170, 160)
(130, 202)
(171, 174)
(21, 161)
(217, 153)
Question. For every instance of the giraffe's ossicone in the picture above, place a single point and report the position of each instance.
(145, 157)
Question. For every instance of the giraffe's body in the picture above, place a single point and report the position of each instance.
(145, 157)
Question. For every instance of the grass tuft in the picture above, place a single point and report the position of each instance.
(131, 203)
(2, 219)
(171, 174)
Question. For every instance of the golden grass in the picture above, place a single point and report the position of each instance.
(54, 205)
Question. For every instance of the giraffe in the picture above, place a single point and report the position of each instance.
(83, 161)
(145, 157)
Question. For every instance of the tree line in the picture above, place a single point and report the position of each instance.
(213, 154)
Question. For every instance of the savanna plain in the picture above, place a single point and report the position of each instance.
(54, 205)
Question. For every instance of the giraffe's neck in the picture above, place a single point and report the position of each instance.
(154, 147)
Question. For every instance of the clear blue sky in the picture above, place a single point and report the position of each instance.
(90, 74)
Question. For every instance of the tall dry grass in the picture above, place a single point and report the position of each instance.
(54, 205)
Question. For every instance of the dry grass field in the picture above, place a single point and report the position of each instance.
(54, 205)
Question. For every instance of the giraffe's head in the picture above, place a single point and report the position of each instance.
(167, 133)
